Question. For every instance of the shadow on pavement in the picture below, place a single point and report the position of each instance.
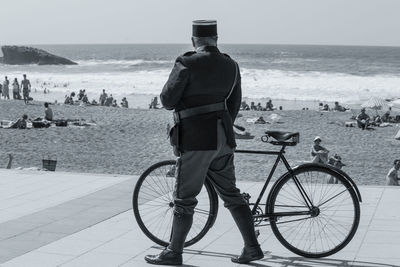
(272, 260)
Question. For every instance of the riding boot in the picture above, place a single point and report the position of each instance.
(172, 255)
(245, 222)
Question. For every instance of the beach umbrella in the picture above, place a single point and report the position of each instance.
(376, 103)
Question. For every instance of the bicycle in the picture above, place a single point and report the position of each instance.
(308, 215)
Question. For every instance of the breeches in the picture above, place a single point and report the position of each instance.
(217, 165)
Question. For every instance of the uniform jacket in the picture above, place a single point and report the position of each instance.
(201, 78)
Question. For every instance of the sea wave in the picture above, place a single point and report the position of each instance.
(256, 83)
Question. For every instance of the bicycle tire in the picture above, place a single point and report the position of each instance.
(163, 240)
(349, 211)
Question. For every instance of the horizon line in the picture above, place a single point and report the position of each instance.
(189, 44)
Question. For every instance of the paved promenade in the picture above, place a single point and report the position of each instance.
(68, 219)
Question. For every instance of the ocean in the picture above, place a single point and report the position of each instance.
(349, 74)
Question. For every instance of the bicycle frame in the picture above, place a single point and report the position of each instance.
(280, 157)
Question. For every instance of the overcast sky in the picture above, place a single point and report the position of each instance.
(343, 22)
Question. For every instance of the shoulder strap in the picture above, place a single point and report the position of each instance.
(234, 82)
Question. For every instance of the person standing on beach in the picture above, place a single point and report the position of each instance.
(204, 89)
(16, 89)
(392, 177)
(103, 98)
(6, 88)
(26, 88)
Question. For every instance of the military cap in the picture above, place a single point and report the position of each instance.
(204, 28)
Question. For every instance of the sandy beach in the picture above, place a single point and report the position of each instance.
(127, 141)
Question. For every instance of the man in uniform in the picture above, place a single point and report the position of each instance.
(204, 89)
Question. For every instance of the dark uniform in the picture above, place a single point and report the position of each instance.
(205, 140)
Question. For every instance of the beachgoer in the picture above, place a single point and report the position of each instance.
(363, 119)
(103, 98)
(269, 106)
(6, 88)
(124, 103)
(338, 107)
(207, 140)
(26, 88)
(335, 161)
(85, 99)
(244, 106)
(154, 103)
(21, 123)
(48, 112)
(114, 103)
(109, 101)
(391, 177)
(321, 106)
(253, 106)
(318, 152)
(81, 94)
(16, 89)
(326, 107)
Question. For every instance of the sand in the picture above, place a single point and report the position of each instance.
(127, 141)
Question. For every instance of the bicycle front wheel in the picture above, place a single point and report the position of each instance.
(153, 205)
(333, 211)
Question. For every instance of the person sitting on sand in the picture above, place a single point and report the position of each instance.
(338, 107)
(154, 103)
(363, 119)
(48, 112)
(244, 106)
(253, 106)
(124, 103)
(85, 99)
(326, 107)
(335, 161)
(321, 106)
(391, 177)
(269, 106)
(103, 98)
(318, 152)
(259, 107)
(260, 120)
(114, 103)
(21, 123)
(81, 94)
(109, 101)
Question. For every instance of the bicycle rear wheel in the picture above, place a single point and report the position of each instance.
(331, 224)
(153, 205)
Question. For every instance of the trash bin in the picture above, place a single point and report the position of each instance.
(49, 164)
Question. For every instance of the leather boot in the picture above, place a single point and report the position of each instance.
(173, 254)
(166, 257)
(245, 222)
(180, 228)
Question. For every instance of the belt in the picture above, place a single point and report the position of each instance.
(186, 113)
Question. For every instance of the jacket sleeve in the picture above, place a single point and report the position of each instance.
(173, 89)
(235, 98)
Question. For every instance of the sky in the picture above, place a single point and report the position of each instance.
(324, 22)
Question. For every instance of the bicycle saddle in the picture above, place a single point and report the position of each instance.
(281, 136)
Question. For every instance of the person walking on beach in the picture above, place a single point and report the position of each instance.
(392, 177)
(26, 88)
(6, 88)
(204, 89)
(16, 89)
(318, 152)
